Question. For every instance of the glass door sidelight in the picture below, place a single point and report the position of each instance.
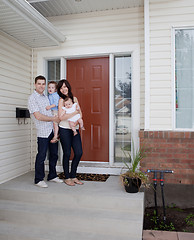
(122, 107)
(53, 74)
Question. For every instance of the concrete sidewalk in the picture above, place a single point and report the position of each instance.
(165, 235)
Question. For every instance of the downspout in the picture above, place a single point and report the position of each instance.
(147, 64)
(31, 126)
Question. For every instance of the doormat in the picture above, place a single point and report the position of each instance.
(89, 177)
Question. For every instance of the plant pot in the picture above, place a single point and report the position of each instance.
(133, 184)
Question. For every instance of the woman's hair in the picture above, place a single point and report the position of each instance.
(67, 84)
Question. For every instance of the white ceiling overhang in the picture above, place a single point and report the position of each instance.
(24, 23)
(51, 8)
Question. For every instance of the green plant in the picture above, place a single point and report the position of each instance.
(189, 220)
(154, 219)
(160, 225)
(132, 163)
(174, 207)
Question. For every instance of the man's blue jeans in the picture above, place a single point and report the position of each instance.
(69, 141)
(44, 145)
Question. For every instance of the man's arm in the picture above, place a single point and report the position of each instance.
(45, 118)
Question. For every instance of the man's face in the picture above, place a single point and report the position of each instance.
(40, 86)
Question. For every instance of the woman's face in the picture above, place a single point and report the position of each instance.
(64, 90)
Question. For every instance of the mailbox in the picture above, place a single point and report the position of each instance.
(22, 113)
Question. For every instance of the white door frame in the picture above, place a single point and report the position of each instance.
(110, 51)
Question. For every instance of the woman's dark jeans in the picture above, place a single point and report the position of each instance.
(44, 145)
(67, 141)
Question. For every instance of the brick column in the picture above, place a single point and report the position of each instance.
(169, 150)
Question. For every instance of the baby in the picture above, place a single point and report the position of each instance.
(54, 100)
(71, 107)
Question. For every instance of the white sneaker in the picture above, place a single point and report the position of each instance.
(41, 184)
(56, 180)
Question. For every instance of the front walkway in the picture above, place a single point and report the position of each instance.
(163, 235)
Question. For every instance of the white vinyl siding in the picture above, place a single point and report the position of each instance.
(164, 15)
(101, 29)
(15, 87)
(106, 27)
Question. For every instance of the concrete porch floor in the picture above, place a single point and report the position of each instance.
(111, 188)
(99, 210)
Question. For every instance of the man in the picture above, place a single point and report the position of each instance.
(43, 120)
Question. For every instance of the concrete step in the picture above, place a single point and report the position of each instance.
(131, 203)
(10, 231)
(85, 219)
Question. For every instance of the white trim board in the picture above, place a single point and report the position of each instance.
(147, 64)
(84, 52)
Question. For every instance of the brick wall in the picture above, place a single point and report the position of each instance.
(169, 150)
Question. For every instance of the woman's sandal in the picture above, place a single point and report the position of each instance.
(75, 180)
(69, 182)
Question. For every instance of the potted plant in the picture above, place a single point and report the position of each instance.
(133, 178)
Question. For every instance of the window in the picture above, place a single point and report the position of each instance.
(122, 106)
(53, 67)
(184, 78)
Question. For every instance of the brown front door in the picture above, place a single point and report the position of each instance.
(89, 81)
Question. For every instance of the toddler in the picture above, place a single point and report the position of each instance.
(71, 107)
(54, 100)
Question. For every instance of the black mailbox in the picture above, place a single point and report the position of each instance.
(22, 113)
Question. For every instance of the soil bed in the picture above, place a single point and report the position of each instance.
(177, 219)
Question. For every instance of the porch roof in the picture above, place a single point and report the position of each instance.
(25, 20)
(50, 8)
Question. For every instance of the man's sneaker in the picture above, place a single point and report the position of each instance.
(56, 180)
(41, 184)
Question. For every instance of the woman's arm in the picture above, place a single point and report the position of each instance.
(62, 115)
(78, 106)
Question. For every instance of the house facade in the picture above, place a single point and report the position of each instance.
(132, 72)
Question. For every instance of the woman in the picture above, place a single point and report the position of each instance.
(67, 138)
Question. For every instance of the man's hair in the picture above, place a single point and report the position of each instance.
(53, 82)
(40, 77)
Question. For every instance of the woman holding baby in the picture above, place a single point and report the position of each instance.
(69, 131)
